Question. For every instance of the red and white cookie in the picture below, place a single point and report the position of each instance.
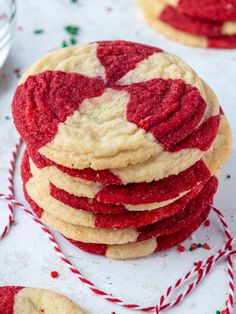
(109, 105)
(175, 18)
(19, 300)
(155, 168)
(121, 236)
(212, 10)
(170, 22)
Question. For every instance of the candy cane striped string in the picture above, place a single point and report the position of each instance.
(11, 172)
(107, 296)
(229, 305)
(202, 270)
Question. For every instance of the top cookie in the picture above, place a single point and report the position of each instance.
(212, 10)
(113, 104)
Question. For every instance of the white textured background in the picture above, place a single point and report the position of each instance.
(26, 258)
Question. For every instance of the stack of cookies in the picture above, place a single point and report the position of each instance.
(123, 142)
(202, 23)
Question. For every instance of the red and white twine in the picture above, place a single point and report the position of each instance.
(10, 179)
(197, 274)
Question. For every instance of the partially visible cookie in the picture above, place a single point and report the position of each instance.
(173, 17)
(212, 10)
(152, 15)
(21, 300)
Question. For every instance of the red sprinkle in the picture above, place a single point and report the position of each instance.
(224, 312)
(181, 248)
(207, 223)
(206, 246)
(17, 70)
(194, 246)
(54, 274)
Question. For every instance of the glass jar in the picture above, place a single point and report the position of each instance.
(7, 26)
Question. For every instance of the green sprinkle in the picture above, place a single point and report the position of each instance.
(199, 245)
(72, 29)
(38, 31)
(73, 41)
(228, 176)
(74, 1)
(191, 249)
(217, 312)
(64, 44)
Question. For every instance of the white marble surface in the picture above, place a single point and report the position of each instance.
(26, 257)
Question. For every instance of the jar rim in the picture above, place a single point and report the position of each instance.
(12, 13)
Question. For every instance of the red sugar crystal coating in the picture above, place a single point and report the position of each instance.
(202, 137)
(103, 176)
(98, 249)
(137, 219)
(120, 57)
(164, 242)
(176, 19)
(47, 99)
(169, 109)
(7, 296)
(227, 42)
(177, 222)
(213, 10)
(85, 203)
(156, 191)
